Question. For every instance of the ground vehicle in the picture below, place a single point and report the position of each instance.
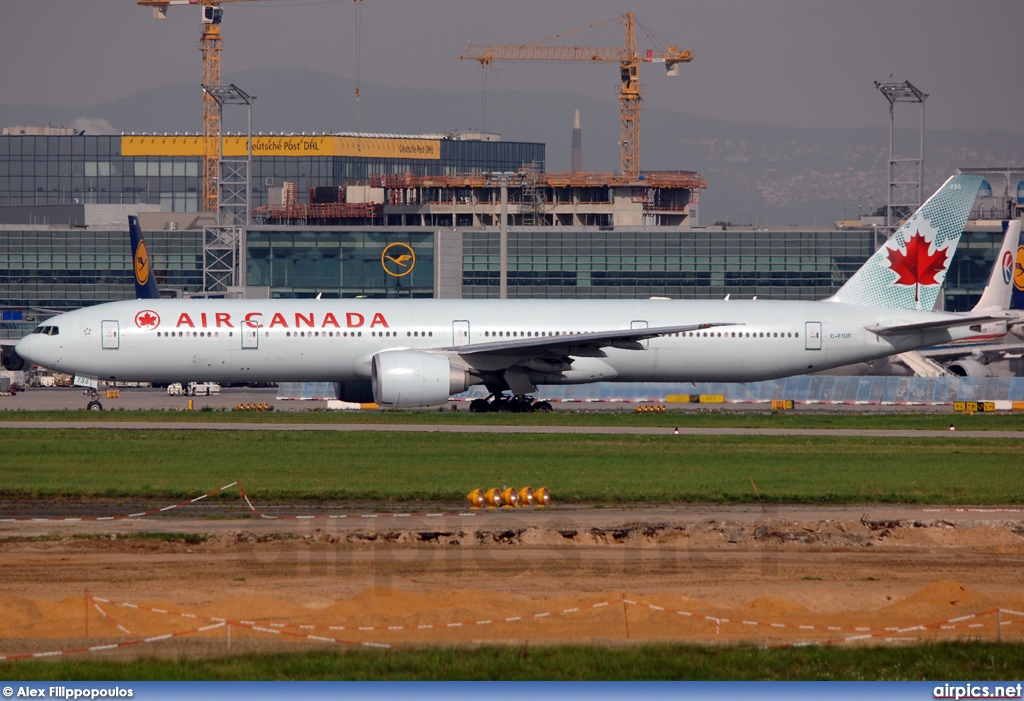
(193, 389)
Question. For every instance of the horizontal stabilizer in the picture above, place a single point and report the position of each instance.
(944, 323)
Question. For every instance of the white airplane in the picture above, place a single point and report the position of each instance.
(970, 357)
(417, 352)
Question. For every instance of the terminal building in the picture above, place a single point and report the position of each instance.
(326, 209)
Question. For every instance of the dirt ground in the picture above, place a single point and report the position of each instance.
(609, 577)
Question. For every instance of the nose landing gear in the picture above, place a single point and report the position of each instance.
(94, 402)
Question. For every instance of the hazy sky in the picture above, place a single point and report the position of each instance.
(782, 62)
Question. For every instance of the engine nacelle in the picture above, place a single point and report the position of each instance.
(11, 360)
(969, 367)
(414, 379)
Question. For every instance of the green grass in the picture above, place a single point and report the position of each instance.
(587, 417)
(986, 661)
(385, 466)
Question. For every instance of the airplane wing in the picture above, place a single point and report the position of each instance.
(987, 351)
(945, 323)
(577, 344)
(507, 360)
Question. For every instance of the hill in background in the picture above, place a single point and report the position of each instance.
(756, 174)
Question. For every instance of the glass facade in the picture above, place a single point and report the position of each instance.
(558, 262)
(341, 262)
(46, 271)
(91, 170)
(38, 170)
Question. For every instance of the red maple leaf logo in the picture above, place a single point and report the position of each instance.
(147, 319)
(916, 266)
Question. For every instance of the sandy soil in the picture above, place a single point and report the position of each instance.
(457, 580)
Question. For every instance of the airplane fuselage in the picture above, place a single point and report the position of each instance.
(336, 340)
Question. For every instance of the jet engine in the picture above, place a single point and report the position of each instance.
(11, 360)
(412, 379)
(969, 367)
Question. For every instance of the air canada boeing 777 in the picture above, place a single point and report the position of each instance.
(417, 352)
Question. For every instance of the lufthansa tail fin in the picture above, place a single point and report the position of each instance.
(145, 284)
(998, 292)
(908, 270)
(1018, 277)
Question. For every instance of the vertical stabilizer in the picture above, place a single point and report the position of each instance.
(1018, 277)
(908, 270)
(998, 291)
(145, 284)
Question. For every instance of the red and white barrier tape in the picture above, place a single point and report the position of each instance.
(111, 646)
(124, 516)
(109, 618)
(280, 627)
(869, 631)
(254, 512)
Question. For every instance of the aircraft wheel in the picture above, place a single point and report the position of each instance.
(501, 405)
(543, 406)
(479, 406)
(94, 406)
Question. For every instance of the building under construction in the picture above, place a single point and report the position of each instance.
(533, 198)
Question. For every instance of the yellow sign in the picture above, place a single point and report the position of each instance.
(141, 264)
(285, 146)
(398, 259)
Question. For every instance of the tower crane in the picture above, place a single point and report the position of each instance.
(628, 58)
(209, 45)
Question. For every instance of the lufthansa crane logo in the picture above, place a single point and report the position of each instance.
(1018, 270)
(398, 259)
(142, 264)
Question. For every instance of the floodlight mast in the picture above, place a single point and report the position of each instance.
(906, 175)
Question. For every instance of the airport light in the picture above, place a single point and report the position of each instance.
(477, 499)
(510, 497)
(493, 497)
(526, 496)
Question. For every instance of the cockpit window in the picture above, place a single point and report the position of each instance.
(47, 330)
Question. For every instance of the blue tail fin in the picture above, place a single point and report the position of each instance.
(145, 284)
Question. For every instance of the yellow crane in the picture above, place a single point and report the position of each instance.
(209, 45)
(628, 58)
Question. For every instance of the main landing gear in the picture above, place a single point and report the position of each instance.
(521, 404)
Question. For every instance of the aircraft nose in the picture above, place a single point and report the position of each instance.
(24, 348)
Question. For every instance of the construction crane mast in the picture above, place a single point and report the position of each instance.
(209, 46)
(629, 59)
